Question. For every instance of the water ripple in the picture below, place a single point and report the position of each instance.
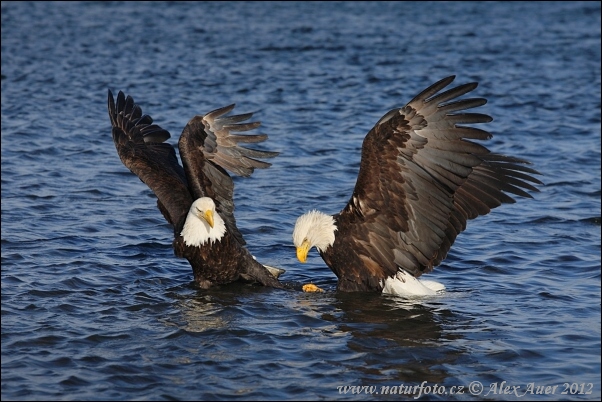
(96, 306)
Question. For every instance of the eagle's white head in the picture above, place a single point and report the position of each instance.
(314, 228)
(203, 223)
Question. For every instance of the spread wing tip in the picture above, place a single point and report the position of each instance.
(220, 138)
(127, 116)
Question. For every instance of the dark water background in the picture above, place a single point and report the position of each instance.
(94, 304)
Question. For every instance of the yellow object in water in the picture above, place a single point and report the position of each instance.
(310, 287)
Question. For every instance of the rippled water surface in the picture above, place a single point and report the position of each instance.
(95, 305)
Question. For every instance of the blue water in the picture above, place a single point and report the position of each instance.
(94, 304)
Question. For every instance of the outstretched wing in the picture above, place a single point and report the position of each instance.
(142, 149)
(208, 146)
(421, 179)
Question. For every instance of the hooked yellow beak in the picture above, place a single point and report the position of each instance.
(209, 217)
(302, 251)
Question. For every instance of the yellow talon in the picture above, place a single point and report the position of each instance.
(310, 287)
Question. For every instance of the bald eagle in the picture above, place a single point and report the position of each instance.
(196, 198)
(420, 180)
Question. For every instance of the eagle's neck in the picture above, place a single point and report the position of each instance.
(197, 232)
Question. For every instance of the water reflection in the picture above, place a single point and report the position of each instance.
(404, 341)
(407, 322)
(380, 340)
(202, 313)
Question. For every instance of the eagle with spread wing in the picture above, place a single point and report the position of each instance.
(196, 198)
(421, 178)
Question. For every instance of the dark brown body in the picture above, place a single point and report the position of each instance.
(223, 262)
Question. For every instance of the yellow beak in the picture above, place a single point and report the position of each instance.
(302, 251)
(209, 217)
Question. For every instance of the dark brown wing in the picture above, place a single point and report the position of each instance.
(142, 149)
(210, 144)
(421, 179)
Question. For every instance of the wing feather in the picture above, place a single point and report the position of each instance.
(462, 105)
(142, 149)
(209, 145)
(422, 178)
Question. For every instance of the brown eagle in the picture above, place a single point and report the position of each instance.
(420, 180)
(196, 198)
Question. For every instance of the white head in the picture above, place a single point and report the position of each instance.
(203, 223)
(314, 228)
